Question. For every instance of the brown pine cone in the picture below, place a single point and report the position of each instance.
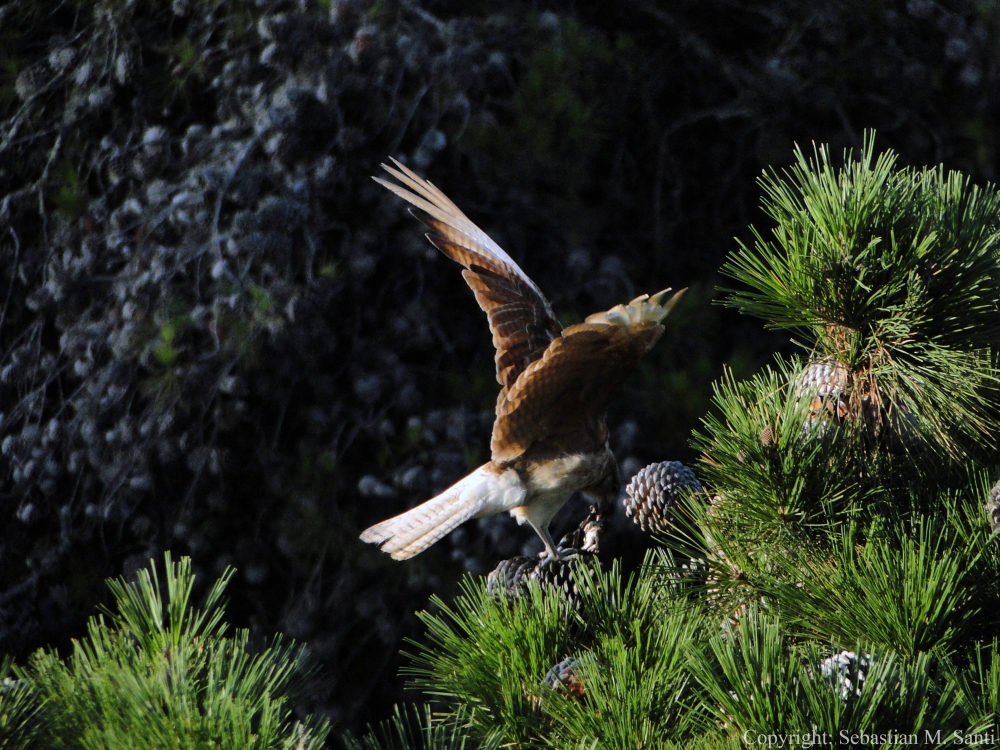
(510, 577)
(586, 536)
(825, 383)
(509, 580)
(654, 491)
(560, 573)
(563, 675)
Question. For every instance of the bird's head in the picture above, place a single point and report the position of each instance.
(640, 310)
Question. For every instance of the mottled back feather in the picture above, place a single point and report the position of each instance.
(563, 397)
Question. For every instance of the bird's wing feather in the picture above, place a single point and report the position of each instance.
(520, 318)
(563, 396)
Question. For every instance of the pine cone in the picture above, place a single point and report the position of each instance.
(695, 570)
(563, 674)
(510, 577)
(722, 580)
(654, 491)
(559, 574)
(825, 382)
(841, 667)
(828, 386)
(767, 436)
(571, 541)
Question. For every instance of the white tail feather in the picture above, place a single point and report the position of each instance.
(481, 493)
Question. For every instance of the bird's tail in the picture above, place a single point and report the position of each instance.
(483, 492)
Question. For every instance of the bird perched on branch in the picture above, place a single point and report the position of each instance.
(550, 438)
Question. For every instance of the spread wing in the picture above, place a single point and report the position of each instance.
(563, 396)
(520, 318)
(556, 384)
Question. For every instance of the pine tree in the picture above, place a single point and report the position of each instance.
(833, 574)
(159, 674)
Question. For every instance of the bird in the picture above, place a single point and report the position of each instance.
(550, 435)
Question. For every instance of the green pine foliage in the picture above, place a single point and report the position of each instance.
(415, 728)
(892, 273)
(631, 640)
(981, 687)
(486, 652)
(783, 468)
(18, 710)
(763, 681)
(157, 672)
(838, 577)
(922, 568)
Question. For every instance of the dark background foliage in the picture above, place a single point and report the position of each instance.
(219, 337)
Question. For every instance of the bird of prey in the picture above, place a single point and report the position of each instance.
(550, 438)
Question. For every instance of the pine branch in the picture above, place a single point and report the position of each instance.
(629, 642)
(417, 728)
(761, 682)
(980, 686)
(905, 593)
(892, 273)
(19, 707)
(161, 674)
(776, 455)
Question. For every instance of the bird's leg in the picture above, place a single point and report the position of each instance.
(550, 547)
